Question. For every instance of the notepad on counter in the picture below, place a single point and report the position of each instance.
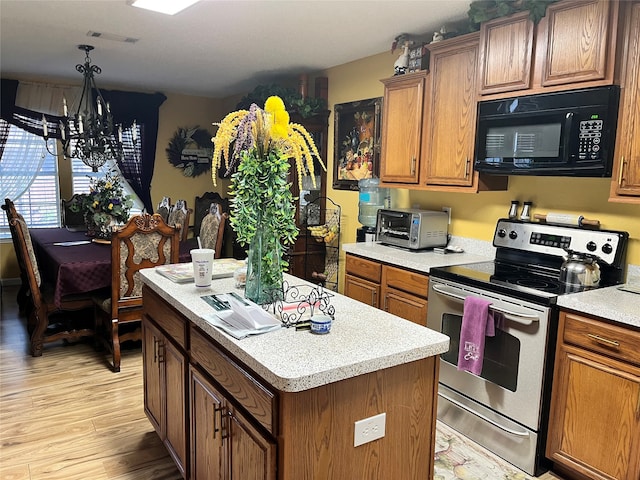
(239, 317)
(183, 272)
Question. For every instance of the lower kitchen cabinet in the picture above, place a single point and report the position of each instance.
(395, 290)
(594, 424)
(224, 444)
(164, 390)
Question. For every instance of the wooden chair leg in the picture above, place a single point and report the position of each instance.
(37, 333)
(115, 345)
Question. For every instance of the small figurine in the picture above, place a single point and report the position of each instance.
(401, 64)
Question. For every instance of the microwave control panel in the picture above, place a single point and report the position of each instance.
(590, 137)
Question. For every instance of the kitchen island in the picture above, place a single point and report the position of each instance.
(283, 405)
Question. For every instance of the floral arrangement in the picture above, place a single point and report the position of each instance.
(263, 141)
(258, 144)
(106, 200)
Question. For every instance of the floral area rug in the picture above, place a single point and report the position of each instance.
(458, 458)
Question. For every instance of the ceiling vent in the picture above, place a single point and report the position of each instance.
(112, 37)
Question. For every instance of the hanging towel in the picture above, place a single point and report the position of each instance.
(477, 323)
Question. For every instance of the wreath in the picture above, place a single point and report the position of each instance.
(190, 149)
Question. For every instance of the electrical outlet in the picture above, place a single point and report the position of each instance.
(448, 210)
(369, 429)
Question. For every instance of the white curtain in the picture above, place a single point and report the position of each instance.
(18, 169)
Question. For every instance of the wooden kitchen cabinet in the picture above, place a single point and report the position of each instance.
(362, 280)
(392, 289)
(224, 444)
(506, 54)
(594, 424)
(625, 184)
(573, 46)
(402, 120)
(451, 113)
(164, 370)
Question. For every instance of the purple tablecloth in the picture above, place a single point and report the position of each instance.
(77, 268)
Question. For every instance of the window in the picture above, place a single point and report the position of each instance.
(29, 177)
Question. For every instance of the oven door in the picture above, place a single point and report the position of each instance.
(513, 367)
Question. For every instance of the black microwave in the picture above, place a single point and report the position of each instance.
(568, 133)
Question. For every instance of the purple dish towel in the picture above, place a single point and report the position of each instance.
(477, 323)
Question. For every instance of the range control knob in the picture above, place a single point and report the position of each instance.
(513, 234)
(502, 233)
(607, 248)
(591, 246)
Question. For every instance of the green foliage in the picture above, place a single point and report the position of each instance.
(484, 10)
(293, 101)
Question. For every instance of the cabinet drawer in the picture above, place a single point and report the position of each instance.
(165, 316)
(363, 268)
(242, 387)
(617, 342)
(411, 282)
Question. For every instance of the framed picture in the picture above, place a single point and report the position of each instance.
(356, 142)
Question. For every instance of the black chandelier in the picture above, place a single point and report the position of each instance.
(89, 133)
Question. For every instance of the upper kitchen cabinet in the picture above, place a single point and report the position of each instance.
(625, 185)
(450, 120)
(402, 115)
(506, 54)
(573, 46)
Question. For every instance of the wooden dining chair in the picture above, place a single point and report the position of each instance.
(202, 206)
(180, 215)
(48, 322)
(212, 229)
(144, 241)
(73, 220)
(164, 207)
(23, 292)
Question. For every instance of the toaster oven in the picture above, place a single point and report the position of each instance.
(414, 229)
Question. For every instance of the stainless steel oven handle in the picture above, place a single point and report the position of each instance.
(533, 317)
(486, 419)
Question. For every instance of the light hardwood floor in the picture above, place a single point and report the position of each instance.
(66, 416)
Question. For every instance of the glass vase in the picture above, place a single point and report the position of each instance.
(264, 267)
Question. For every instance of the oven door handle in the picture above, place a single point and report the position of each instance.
(532, 317)
(464, 407)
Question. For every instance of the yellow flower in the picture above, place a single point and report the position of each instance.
(264, 130)
(110, 207)
(95, 204)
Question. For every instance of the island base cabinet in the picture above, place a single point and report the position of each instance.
(164, 391)
(224, 445)
(322, 420)
(594, 425)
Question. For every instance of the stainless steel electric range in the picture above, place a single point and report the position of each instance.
(505, 408)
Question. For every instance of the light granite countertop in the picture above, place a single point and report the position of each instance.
(363, 339)
(420, 261)
(609, 303)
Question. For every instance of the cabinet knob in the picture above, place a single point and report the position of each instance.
(466, 168)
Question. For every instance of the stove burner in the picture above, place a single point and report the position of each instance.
(537, 283)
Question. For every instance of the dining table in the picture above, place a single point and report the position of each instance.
(74, 263)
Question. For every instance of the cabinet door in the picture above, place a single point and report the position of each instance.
(402, 114)
(594, 427)
(207, 413)
(405, 306)
(452, 113)
(626, 176)
(252, 456)
(577, 41)
(153, 398)
(506, 54)
(175, 375)
(362, 290)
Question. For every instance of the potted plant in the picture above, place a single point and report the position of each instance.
(257, 144)
(105, 205)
